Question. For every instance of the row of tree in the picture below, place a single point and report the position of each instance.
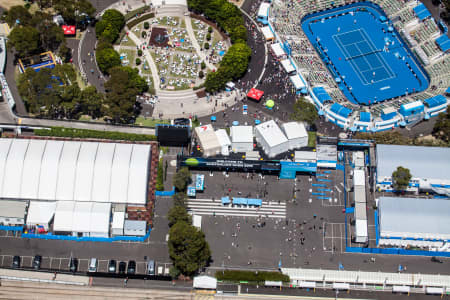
(225, 14)
(188, 247)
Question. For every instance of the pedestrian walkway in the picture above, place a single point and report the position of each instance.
(149, 59)
(200, 53)
(208, 207)
(19, 275)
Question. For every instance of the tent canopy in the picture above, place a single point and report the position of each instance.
(268, 34)
(340, 110)
(287, 66)
(278, 49)
(297, 82)
(364, 116)
(421, 11)
(255, 94)
(40, 212)
(205, 282)
(443, 42)
(321, 94)
(69, 29)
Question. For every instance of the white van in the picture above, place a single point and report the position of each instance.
(93, 265)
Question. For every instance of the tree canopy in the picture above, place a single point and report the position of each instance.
(181, 179)
(178, 214)
(25, 40)
(441, 128)
(19, 13)
(109, 27)
(401, 178)
(107, 58)
(188, 248)
(304, 111)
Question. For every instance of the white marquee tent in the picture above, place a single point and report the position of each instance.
(224, 141)
(242, 138)
(287, 66)
(208, 140)
(41, 213)
(296, 134)
(271, 138)
(278, 50)
(268, 34)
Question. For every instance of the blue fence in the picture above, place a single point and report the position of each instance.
(87, 239)
(165, 193)
(396, 251)
(11, 228)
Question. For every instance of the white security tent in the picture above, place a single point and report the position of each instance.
(287, 66)
(135, 228)
(208, 140)
(271, 138)
(64, 217)
(41, 213)
(296, 134)
(74, 171)
(205, 282)
(297, 82)
(305, 156)
(118, 223)
(242, 138)
(100, 216)
(268, 34)
(278, 50)
(82, 218)
(224, 141)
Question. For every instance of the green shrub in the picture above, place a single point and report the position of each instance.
(146, 25)
(210, 30)
(139, 52)
(159, 177)
(232, 275)
(208, 36)
(206, 46)
(144, 34)
(201, 74)
(138, 61)
(93, 134)
(142, 18)
(203, 65)
(136, 12)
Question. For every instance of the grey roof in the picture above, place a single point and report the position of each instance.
(135, 225)
(414, 217)
(423, 162)
(12, 209)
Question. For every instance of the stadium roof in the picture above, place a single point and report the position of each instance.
(271, 133)
(421, 11)
(74, 171)
(414, 217)
(365, 116)
(435, 101)
(423, 162)
(321, 94)
(443, 42)
(340, 110)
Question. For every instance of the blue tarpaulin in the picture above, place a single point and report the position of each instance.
(321, 94)
(364, 116)
(191, 191)
(435, 101)
(226, 200)
(200, 182)
(421, 11)
(383, 19)
(340, 110)
(448, 90)
(213, 118)
(255, 202)
(443, 42)
(240, 201)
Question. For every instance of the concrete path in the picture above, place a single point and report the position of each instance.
(200, 53)
(149, 58)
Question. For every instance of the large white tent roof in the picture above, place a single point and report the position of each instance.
(294, 130)
(278, 49)
(40, 212)
(268, 34)
(241, 134)
(287, 66)
(74, 171)
(271, 133)
(71, 216)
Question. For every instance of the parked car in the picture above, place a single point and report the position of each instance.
(93, 265)
(436, 260)
(37, 262)
(131, 267)
(73, 264)
(16, 262)
(122, 267)
(112, 266)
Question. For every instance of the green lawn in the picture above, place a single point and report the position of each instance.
(131, 55)
(312, 139)
(128, 43)
(150, 122)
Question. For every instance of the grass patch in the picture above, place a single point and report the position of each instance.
(236, 276)
(131, 56)
(93, 134)
(150, 122)
(129, 43)
(312, 139)
(81, 83)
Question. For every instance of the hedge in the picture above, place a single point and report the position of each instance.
(234, 275)
(136, 21)
(159, 177)
(93, 134)
(135, 12)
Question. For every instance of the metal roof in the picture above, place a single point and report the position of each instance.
(294, 130)
(414, 217)
(423, 162)
(13, 209)
(271, 133)
(74, 171)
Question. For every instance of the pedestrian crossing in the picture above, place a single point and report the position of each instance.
(208, 207)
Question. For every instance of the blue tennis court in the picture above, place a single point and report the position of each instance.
(364, 52)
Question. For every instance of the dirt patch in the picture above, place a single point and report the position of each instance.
(7, 4)
(159, 37)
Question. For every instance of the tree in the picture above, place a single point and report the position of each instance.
(201, 74)
(181, 179)
(51, 35)
(178, 214)
(91, 102)
(115, 18)
(303, 111)
(19, 13)
(110, 34)
(179, 199)
(138, 61)
(401, 178)
(107, 58)
(74, 11)
(206, 46)
(146, 25)
(441, 129)
(188, 248)
(65, 52)
(208, 36)
(25, 40)
(139, 52)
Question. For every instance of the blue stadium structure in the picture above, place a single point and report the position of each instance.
(366, 66)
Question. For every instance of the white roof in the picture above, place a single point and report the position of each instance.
(297, 82)
(294, 130)
(208, 138)
(82, 217)
(241, 134)
(169, 2)
(64, 216)
(361, 228)
(205, 282)
(271, 133)
(118, 220)
(264, 9)
(74, 171)
(287, 66)
(411, 105)
(40, 212)
(197, 221)
(100, 216)
(223, 138)
(305, 156)
(277, 49)
(203, 128)
(359, 178)
(13, 209)
(268, 34)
